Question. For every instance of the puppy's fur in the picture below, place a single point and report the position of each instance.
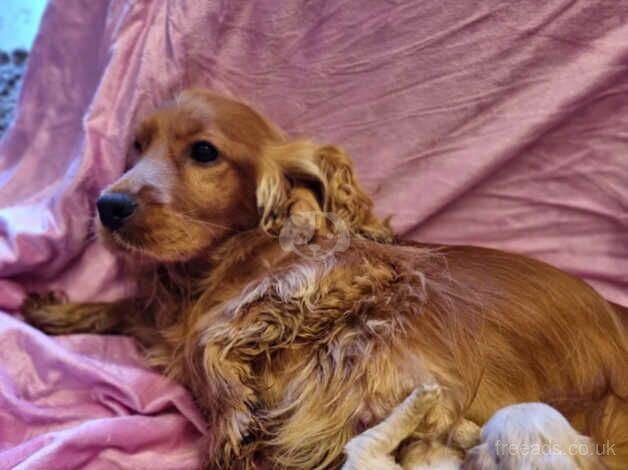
(290, 356)
(522, 436)
(419, 422)
(533, 435)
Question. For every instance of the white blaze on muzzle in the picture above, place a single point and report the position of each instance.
(158, 174)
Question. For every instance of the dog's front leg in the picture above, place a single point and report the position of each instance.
(51, 314)
(229, 400)
(232, 351)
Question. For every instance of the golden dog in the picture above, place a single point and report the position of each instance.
(290, 356)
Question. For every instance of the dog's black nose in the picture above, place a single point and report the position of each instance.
(114, 209)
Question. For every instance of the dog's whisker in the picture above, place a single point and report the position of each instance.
(213, 224)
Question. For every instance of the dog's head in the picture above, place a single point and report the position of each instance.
(205, 167)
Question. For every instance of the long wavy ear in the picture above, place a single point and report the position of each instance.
(345, 197)
(301, 177)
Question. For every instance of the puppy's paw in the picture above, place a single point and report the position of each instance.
(433, 412)
(465, 434)
(426, 395)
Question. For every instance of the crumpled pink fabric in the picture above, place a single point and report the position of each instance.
(495, 123)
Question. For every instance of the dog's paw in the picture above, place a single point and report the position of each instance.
(46, 311)
(36, 301)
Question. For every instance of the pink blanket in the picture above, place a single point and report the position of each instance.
(495, 123)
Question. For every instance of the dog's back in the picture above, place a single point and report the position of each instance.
(545, 336)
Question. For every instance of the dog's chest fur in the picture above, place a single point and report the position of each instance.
(290, 341)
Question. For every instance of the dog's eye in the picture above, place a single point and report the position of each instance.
(137, 146)
(204, 152)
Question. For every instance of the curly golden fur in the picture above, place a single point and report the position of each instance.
(290, 357)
